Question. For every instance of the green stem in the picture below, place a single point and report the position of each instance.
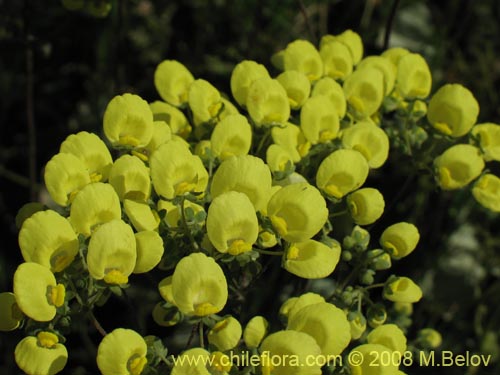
(200, 333)
(268, 252)
(379, 285)
(186, 227)
(263, 141)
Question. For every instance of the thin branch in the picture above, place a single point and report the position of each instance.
(303, 10)
(390, 21)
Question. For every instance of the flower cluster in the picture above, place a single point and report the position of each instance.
(204, 191)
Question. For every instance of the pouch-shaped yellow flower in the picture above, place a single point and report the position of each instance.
(297, 212)
(293, 305)
(141, 215)
(402, 289)
(161, 134)
(341, 172)
(95, 204)
(289, 353)
(278, 157)
(311, 259)
(400, 239)
(246, 174)
(232, 224)
(337, 59)
(176, 171)
(128, 121)
(453, 110)
(193, 362)
(242, 77)
(385, 67)
(368, 139)
(165, 289)
(389, 335)
(10, 314)
(255, 331)
(175, 119)
(488, 137)
(267, 102)
(487, 192)
(41, 355)
(319, 120)
(112, 252)
(291, 138)
(326, 323)
(225, 334)
(204, 101)
(357, 323)
(413, 79)
(129, 176)
(458, 166)
(122, 352)
(149, 246)
(351, 39)
(365, 205)
(330, 88)
(231, 136)
(37, 292)
(47, 238)
(172, 80)
(92, 151)
(297, 87)
(302, 56)
(368, 360)
(199, 286)
(64, 176)
(394, 54)
(364, 91)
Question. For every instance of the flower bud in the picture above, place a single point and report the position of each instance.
(175, 119)
(351, 39)
(384, 66)
(357, 323)
(429, 338)
(204, 101)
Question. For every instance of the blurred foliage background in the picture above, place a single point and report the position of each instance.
(59, 68)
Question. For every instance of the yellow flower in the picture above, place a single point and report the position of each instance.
(255, 331)
(402, 289)
(165, 289)
(38, 295)
(141, 215)
(225, 334)
(92, 151)
(204, 101)
(199, 286)
(311, 259)
(278, 157)
(246, 174)
(453, 110)
(394, 55)
(175, 119)
(341, 172)
(389, 335)
(172, 80)
(161, 134)
(357, 323)
(458, 166)
(302, 56)
(122, 352)
(193, 362)
(364, 91)
(176, 171)
(10, 314)
(47, 238)
(488, 136)
(400, 239)
(164, 317)
(149, 247)
(291, 138)
(487, 192)
(112, 252)
(368, 360)
(365, 205)
(384, 66)
(319, 120)
(174, 215)
(297, 87)
(368, 139)
(64, 176)
(351, 39)
(430, 337)
(413, 79)
(232, 224)
(242, 77)
(297, 212)
(41, 355)
(326, 323)
(128, 121)
(330, 88)
(130, 178)
(95, 204)
(337, 59)
(287, 352)
(231, 136)
(267, 102)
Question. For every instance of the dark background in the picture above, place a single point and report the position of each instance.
(59, 68)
